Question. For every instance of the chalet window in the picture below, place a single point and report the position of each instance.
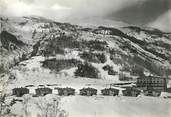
(161, 81)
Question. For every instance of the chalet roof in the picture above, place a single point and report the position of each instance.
(56, 88)
(110, 89)
(144, 77)
(88, 89)
(44, 88)
(67, 88)
(22, 88)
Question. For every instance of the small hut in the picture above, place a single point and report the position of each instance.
(88, 91)
(131, 91)
(65, 91)
(43, 91)
(110, 91)
(19, 92)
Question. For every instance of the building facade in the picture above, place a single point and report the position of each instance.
(152, 83)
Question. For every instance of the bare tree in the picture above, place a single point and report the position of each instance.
(26, 99)
(3, 106)
(51, 109)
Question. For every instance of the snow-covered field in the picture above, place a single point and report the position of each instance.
(80, 106)
(95, 106)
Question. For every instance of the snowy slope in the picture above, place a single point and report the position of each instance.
(124, 48)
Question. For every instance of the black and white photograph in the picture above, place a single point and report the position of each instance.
(85, 58)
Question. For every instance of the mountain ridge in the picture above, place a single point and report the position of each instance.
(129, 49)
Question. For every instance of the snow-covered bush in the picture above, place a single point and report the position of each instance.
(109, 69)
(95, 45)
(137, 70)
(57, 45)
(58, 65)
(86, 70)
(94, 57)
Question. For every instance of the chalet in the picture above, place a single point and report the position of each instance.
(43, 91)
(65, 91)
(110, 91)
(131, 91)
(68, 91)
(88, 91)
(169, 90)
(19, 92)
(152, 83)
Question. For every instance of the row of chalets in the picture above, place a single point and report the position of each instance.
(129, 91)
(148, 85)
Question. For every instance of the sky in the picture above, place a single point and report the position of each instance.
(154, 13)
